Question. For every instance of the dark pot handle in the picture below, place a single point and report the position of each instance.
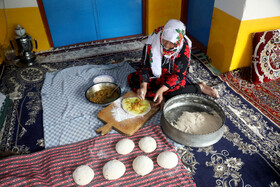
(12, 45)
(36, 44)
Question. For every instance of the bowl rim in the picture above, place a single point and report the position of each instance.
(119, 88)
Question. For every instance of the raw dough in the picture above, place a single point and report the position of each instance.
(113, 169)
(198, 122)
(147, 144)
(136, 106)
(118, 113)
(142, 165)
(167, 159)
(83, 175)
(125, 146)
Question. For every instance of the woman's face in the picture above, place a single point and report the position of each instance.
(167, 44)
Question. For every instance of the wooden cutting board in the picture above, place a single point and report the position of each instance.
(127, 127)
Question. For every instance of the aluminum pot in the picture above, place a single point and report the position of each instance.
(174, 108)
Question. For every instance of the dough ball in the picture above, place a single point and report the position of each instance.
(113, 169)
(167, 159)
(83, 175)
(147, 144)
(142, 165)
(125, 146)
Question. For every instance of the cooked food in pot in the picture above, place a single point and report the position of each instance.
(101, 96)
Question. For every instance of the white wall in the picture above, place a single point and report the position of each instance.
(234, 8)
(17, 3)
(249, 9)
(257, 9)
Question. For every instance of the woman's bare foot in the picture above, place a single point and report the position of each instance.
(208, 90)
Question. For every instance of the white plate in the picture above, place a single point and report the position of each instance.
(103, 78)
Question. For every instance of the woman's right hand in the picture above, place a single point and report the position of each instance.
(141, 92)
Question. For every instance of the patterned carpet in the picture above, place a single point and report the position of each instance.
(247, 155)
(265, 97)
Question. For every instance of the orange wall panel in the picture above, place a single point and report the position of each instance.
(223, 34)
(160, 11)
(30, 19)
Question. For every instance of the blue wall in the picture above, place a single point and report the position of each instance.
(92, 19)
(199, 19)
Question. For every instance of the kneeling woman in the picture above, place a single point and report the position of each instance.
(164, 66)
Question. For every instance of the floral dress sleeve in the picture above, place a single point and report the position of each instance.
(181, 68)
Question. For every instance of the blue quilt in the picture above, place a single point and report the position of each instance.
(68, 116)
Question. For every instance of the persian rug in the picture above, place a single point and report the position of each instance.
(265, 96)
(247, 155)
(45, 168)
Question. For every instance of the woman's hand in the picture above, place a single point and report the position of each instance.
(158, 99)
(141, 92)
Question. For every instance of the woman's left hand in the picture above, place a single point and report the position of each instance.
(158, 98)
(159, 95)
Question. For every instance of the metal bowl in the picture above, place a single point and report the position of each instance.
(174, 108)
(92, 90)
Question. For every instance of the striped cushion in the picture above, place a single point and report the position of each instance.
(55, 166)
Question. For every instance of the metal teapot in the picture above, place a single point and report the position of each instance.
(24, 46)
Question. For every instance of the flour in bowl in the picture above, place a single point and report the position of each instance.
(198, 122)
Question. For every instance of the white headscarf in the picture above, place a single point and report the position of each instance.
(173, 31)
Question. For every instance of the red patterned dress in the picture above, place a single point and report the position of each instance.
(173, 75)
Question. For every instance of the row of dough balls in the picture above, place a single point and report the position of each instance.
(142, 165)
